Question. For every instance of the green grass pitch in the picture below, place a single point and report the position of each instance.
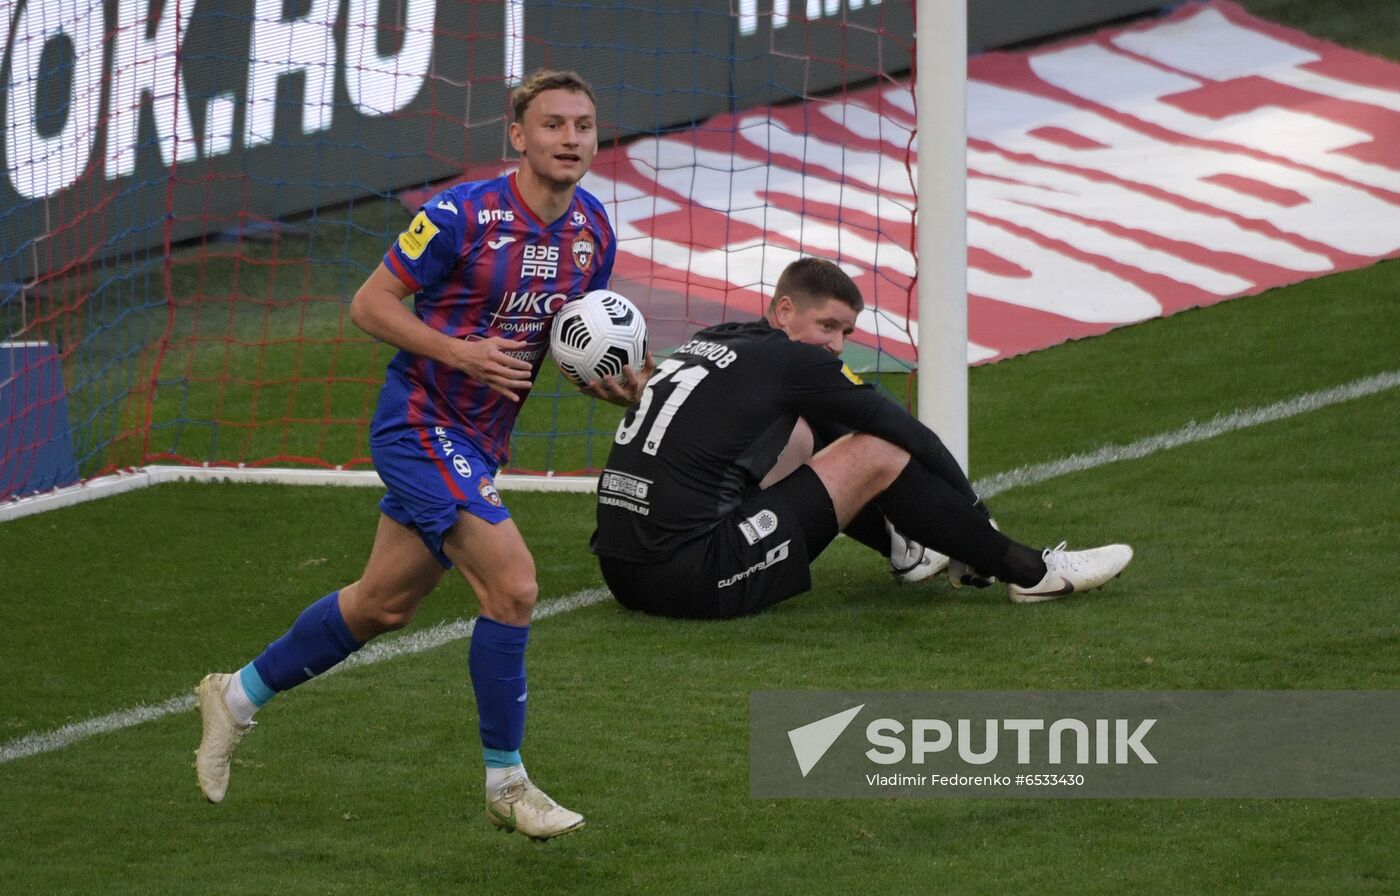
(1264, 562)
(1267, 559)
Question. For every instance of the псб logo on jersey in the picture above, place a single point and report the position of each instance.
(487, 215)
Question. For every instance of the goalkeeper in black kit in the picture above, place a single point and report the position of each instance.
(752, 447)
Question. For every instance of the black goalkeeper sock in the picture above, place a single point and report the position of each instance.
(868, 528)
(931, 511)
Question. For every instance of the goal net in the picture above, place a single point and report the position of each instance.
(194, 191)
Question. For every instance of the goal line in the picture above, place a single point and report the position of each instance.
(104, 486)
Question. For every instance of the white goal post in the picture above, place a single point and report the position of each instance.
(941, 94)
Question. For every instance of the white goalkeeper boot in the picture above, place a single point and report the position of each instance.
(1070, 572)
(523, 807)
(221, 734)
(910, 561)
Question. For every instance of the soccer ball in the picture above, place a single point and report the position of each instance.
(597, 335)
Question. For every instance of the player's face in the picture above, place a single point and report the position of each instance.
(557, 138)
(825, 324)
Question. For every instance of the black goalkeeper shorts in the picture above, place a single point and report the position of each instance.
(756, 557)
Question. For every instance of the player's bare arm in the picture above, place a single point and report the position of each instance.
(378, 308)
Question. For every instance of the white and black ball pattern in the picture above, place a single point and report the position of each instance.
(596, 335)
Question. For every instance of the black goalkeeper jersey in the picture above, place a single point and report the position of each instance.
(711, 423)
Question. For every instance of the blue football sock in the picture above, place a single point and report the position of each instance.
(254, 687)
(497, 663)
(316, 641)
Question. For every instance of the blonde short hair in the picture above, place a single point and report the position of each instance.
(542, 80)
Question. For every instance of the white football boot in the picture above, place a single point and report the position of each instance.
(910, 561)
(221, 734)
(1070, 572)
(525, 808)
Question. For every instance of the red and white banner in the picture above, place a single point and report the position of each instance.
(1125, 176)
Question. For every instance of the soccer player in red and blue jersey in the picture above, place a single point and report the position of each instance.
(488, 264)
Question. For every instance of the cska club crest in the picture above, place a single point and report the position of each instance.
(583, 252)
(488, 491)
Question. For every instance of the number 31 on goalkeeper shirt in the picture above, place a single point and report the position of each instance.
(677, 381)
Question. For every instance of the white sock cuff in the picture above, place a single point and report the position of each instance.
(498, 778)
(237, 701)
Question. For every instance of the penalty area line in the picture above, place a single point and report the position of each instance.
(59, 738)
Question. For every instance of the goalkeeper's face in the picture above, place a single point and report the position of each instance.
(557, 138)
(825, 323)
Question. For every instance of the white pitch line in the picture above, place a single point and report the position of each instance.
(48, 741)
(377, 652)
(1186, 435)
(59, 738)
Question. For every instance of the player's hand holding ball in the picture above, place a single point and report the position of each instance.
(599, 342)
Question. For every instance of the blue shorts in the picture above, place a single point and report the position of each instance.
(433, 474)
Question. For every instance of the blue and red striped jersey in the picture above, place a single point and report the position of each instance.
(482, 264)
